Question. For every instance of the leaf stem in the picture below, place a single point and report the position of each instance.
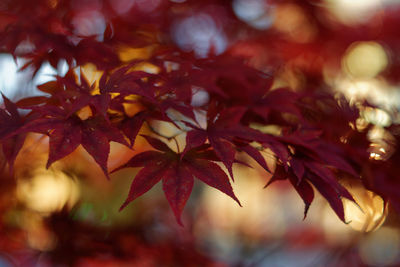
(166, 137)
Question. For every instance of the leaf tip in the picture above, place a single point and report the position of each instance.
(268, 183)
(237, 200)
(123, 205)
(117, 169)
(307, 206)
(48, 164)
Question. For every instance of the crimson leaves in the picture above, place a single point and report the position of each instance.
(303, 159)
(307, 143)
(10, 121)
(176, 172)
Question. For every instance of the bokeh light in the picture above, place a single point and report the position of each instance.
(365, 60)
(292, 21)
(369, 211)
(376, 116)
(201, 34)
(354, 11)
(307, 46)
(257, 13)
(48, 191)
(90, 23)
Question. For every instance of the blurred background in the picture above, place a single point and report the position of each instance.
(68, 214)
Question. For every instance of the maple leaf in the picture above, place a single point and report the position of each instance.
(176, 172)
(305, 164)
(74, 92)
(67, 132)
(10, 122)
(223, 131)
(310, 152)
(153, 105)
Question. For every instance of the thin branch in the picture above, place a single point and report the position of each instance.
(169, 138)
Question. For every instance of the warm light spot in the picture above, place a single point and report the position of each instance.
(171, 66)
(131, 109)
(131, 105)
(376, 134)
(375, 156)
(381, 248)
(376, 116)
(361, 88)
(174, 137)
(361, 124)
(84, 113)
(146, 67)
(261, 214)
(130, 53)
(289, 76)
(292, 21)
(370, 212)
(353, 11)
(38, 236)
(381, 149)
(268, 129)
(335, 231)
(91, 73)
(365, 60)
(53, 3)
(48, 191)
(377, 91)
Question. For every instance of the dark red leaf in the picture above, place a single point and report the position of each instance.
(157, 144)
(63, 141)
(305, 191)
(225, 151)
(298, 169)
(131, 126)
(141, 159)
(177, 173)
(145, 180)
(195, 138)
(330, 194)
(31, 101)
(279, 174)
(97, 145)
(256, 155)
(11, 148)
(177, 186)
(211, 174)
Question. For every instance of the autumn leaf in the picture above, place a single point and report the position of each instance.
(67, 133)
(10, 122)
(226, 135)
(176, 173)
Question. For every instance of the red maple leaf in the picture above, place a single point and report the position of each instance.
(67, 132)
(11, 121)
(310, 161)
(226, 134)
(177, 173)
